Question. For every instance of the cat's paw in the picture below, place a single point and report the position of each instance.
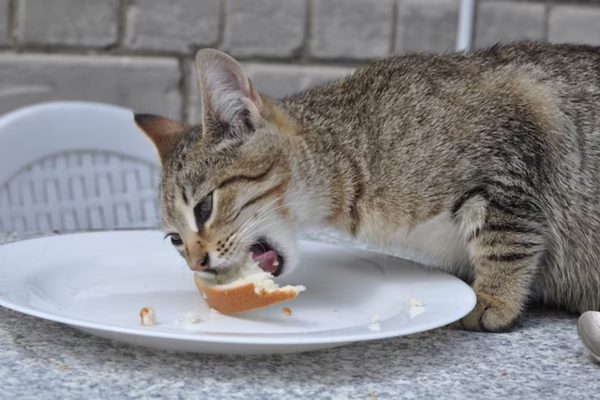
(491, 315)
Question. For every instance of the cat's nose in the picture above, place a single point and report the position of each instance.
(202, 264)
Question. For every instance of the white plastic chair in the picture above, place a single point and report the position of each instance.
(75, 166)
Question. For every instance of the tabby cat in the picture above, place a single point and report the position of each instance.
(485, 163)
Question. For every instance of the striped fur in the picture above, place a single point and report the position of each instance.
(486, 164)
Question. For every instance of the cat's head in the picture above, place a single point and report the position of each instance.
(226, 187)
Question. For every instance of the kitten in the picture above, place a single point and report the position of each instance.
(486, 163)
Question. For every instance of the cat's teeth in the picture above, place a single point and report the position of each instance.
(276, 264)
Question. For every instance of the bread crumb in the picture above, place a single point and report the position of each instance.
(64, 368)
(286, 311)
(213, 311)
(414, 302)
(191, 319)
(148, 316)
(504, 374)
(416, 307)
(374, 326)
(372, 394)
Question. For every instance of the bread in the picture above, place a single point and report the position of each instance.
(147, 316)
(245, 288)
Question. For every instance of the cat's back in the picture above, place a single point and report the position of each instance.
(457, 103)
(416, 80)
(575, 64)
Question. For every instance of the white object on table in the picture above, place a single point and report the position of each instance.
(98, 283)
(588, 328)
(75, 166)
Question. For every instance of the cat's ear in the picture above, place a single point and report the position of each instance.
(163, 132)
(231, 105)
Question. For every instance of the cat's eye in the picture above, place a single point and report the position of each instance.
(175, 239)
(203, 209)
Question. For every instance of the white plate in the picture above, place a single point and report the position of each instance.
(98, 282)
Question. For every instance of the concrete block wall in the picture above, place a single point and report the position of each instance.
(138, 53)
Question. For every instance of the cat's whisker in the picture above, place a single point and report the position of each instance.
(260, 219)
(253, 233)
(257, 218)
(248, 228)
(260, 210)
(257, 213)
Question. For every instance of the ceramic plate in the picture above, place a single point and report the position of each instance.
(98, 282)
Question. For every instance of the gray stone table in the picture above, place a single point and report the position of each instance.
(542, 358)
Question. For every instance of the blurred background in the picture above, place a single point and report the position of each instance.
(138, 54)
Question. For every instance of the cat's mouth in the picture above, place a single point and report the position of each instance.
(267, 257)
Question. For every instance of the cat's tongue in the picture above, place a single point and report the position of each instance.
(266, 260)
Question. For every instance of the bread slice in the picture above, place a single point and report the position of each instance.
(245, 288)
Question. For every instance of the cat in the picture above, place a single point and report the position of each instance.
(487, 163)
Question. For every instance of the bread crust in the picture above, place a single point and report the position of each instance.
(241, 298)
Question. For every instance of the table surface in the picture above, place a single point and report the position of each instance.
(542, 357)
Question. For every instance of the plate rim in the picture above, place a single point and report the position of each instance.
(208, 337)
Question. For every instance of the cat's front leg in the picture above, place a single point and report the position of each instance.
(495, 312)
(506, 248)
